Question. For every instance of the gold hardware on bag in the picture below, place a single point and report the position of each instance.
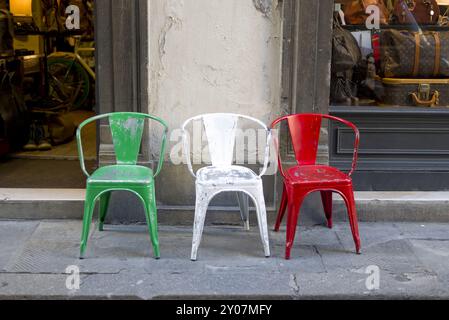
(424, 91)
(424, 98)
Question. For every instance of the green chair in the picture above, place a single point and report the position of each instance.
(127, 131)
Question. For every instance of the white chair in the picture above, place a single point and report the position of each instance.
(223, 176)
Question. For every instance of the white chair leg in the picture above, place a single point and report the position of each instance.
(262, 219)
(243, 199)
(202, 203)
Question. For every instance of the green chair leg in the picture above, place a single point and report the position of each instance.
(104, 205)
(89, 206)
(149, 198)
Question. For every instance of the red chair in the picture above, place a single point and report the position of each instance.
(308, 177)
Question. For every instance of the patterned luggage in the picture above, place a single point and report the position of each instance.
(416, 92)
(406, 54)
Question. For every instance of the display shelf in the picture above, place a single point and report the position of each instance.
(428, 27)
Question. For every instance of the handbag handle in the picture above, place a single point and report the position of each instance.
(426, 103)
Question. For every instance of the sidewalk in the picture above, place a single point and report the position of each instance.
(413, 259)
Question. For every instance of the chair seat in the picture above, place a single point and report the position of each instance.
(122, 175)
(227, 176)
(317, 175)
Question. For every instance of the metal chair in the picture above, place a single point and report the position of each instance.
(308, 177)
(127, 131)
(223, 176)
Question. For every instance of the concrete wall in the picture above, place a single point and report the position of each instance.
(214, 56)
(211, 56)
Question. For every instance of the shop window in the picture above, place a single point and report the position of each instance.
(47, 88)
(391, 53)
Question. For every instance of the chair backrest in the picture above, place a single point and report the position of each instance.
(305, 130)
(221, 133)
(127, 131)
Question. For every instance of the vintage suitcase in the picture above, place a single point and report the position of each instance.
(416, 12)
(407, 54)
(416, 92)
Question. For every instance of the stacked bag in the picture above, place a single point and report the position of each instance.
(413, 63)
(415, 67)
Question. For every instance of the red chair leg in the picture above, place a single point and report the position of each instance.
(352, 212)
(326, 197)
(282, 209)
(294, 206)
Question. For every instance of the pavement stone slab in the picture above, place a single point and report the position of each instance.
(413, 259)
(13, 237)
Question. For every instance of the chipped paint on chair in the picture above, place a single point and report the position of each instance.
(223, 176)
(127, 131)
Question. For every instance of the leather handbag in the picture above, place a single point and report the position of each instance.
(416, 12)
(355, 11)
(346, 53)
(406, 54)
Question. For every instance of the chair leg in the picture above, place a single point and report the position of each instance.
(326, 197)
(294, 206)
(104, 205)
(89, 206)
(149, 198)
(352, 213)
(202, 203)
(282, 209)
(243, 200)
(262, 220)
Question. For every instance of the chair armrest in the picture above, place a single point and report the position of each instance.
(356, 140)
(79, 140)
(163, 143)
(277, 147)
(267, 154)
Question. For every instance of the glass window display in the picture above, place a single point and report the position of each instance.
(391, 53)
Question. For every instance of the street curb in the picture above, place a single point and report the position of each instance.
(33, 204)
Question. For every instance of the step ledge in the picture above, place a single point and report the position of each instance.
(26, 195)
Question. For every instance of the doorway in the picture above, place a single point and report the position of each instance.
(47, 77)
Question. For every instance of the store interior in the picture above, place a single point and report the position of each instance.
(400, 60)
(47, 88)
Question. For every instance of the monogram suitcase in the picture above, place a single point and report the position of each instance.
(407, 54)
(416, 92)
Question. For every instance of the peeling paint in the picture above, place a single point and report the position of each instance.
(214, 56)
(264, 6)
(173, 11)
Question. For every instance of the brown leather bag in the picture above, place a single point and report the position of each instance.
(416, 12)
(355, 11)
(406, 54)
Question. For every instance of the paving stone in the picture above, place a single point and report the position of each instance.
(413, 261)
(13, 237)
